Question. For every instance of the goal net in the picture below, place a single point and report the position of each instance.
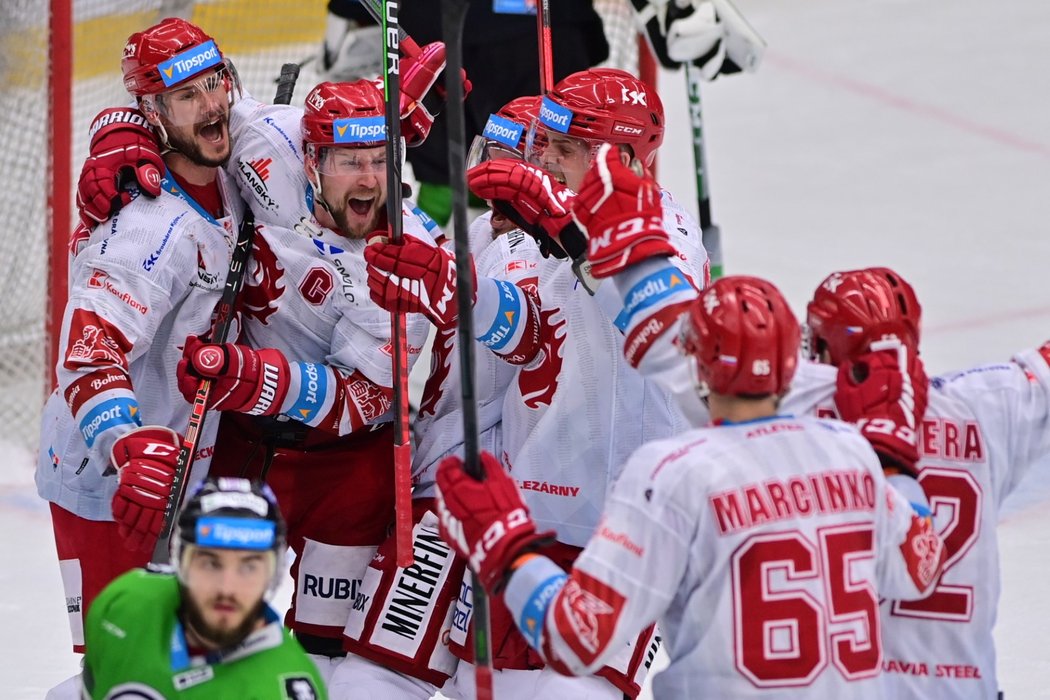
(37, 127)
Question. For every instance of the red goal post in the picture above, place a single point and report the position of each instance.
(59, 65)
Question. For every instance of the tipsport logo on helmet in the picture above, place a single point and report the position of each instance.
(503, 130)
(554, 116)
(235, 533)
(189, 63)
(359, 130)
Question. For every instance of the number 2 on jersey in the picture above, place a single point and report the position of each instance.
(955, 496)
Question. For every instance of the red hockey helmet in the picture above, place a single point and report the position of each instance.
(852, 309)
(743, 337)
(166, 55)
(345, 114)
(505, 131)
(607, 105)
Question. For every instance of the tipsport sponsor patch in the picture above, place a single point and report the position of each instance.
(554, 116)
(503, 130)
(359, 130)
(235, 533)
(189, 63)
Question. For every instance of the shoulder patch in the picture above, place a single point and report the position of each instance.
(299, 687)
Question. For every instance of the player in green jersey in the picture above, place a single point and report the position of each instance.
(205, 632)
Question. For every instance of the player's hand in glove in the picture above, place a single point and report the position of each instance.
(413, 277)
(243, 380)
(123, 151)
(145, 462)
(419, 104)
(485, 521)
(534, 200)
(709, 34)
(884, 393)
(621, 213)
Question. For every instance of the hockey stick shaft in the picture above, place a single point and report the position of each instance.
(546, 52)
(224, 315)
(712, 235)
(453, 15)
(399, 336)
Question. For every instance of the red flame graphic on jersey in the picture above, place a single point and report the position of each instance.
(264, 285)
(538, 384)
(261, 166)
(440, 366)
(94, 341)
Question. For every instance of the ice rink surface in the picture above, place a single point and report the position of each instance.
(914, 134)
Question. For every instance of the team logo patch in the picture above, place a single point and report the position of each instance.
(299, 688)
(210, 358)
(586, 615)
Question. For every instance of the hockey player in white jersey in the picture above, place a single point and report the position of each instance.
(307, 392)
(575, 410)
(983, 429)
(762, 543)
(395, 649)
(141, 283)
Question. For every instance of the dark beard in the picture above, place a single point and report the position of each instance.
(190, 148)
(193, 618)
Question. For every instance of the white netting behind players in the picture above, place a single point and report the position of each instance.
(258, 36)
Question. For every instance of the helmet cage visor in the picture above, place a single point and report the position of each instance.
(197, 101)
(344, 161)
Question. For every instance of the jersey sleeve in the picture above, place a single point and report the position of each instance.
(580, 621)
(507, 309)
(910, 552)
(1011, 402)
(122, 287)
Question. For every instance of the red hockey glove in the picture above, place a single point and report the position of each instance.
(123, 150)
(885, 395)
(413, 277)
(485, 521)
(621, 213)
(419, 106)
(534, 200)
(243, 380)
(145, 461)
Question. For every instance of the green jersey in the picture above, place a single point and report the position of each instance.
(137, 650)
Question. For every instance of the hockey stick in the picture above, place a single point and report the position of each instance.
(453, 14)
(543, 31)
(399, 339)
(224, 315)
(710, 233)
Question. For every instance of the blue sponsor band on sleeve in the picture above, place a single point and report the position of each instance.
(428, 223)
(313, 388)
(530, 592)
(650, 291)
(507, 317)
(109, 414)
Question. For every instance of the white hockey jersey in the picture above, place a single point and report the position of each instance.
(139, 285)
(307, 293)
(575, 413)
(983, 428)
(758, 547)
(515, 257)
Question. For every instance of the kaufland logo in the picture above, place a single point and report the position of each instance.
(359, 130)
(189, 63)
(555, 116)
(503, 130)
